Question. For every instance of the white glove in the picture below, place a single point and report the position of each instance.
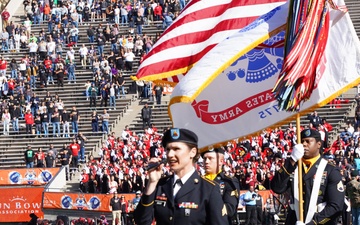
(297, 152)
(299, 223)
(276, 217)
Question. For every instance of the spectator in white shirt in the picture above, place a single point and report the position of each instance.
(83, 55)
(33, 47)
(129, 58)
(27, 25)
(117, 14)
(124, 15)
(23, 40)
(5, 40)
(139, 44)
(70, 54)
(356, 135)
(74, 32)
(112, 97)
(6, 118)
(74, 17)
(50, 46)
(17, 41)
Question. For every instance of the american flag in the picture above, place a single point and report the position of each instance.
(200, 26)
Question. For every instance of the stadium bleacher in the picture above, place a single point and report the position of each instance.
(13, 146)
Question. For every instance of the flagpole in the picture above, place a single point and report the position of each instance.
(299, 162)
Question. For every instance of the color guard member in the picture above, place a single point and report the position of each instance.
(229, 186)
(185, 197)
(323, 190)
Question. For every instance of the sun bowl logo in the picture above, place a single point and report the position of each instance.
(30, 177)
(14, 177)
(66, 202)
(80, 203)
(94, 203)
(45, 176)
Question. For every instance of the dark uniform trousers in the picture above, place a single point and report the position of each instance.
(230, 189)
(197, 202)
(331, 191)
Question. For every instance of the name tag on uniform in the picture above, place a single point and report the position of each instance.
(158, 202)
(323, 178)
(187, 212)
(161, 200)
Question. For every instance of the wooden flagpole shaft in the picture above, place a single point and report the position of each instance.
(301, 214)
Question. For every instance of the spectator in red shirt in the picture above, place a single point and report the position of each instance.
(337, 145)
(75, 148)
(3, 65)
(84, 183)
(11, 86)
(48, 62)
(29, 121)
(327, 125)
(158, 12)
(251, 180)
(111, 139)
(152, 129)
(39, 158)
(5, 16)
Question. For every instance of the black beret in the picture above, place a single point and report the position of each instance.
(217, 150)
(179, 135)
(311, 133)
(354, 173)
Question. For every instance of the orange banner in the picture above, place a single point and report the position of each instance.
(16, 204)
(34, 176)
(80, 201)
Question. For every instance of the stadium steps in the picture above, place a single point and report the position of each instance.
(14, 145)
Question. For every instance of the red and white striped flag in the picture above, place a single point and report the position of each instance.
(233, 96)
(201, 25)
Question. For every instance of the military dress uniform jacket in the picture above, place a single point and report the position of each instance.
(197, 202)
(331, 191)
(230, 189)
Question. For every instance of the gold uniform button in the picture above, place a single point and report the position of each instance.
(170, 218)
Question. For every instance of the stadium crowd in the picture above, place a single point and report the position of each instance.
(51, 56)
(122, 166)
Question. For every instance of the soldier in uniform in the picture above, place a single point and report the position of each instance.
(182, 198)
(323, 190)
(229, 186)
(353, 192)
